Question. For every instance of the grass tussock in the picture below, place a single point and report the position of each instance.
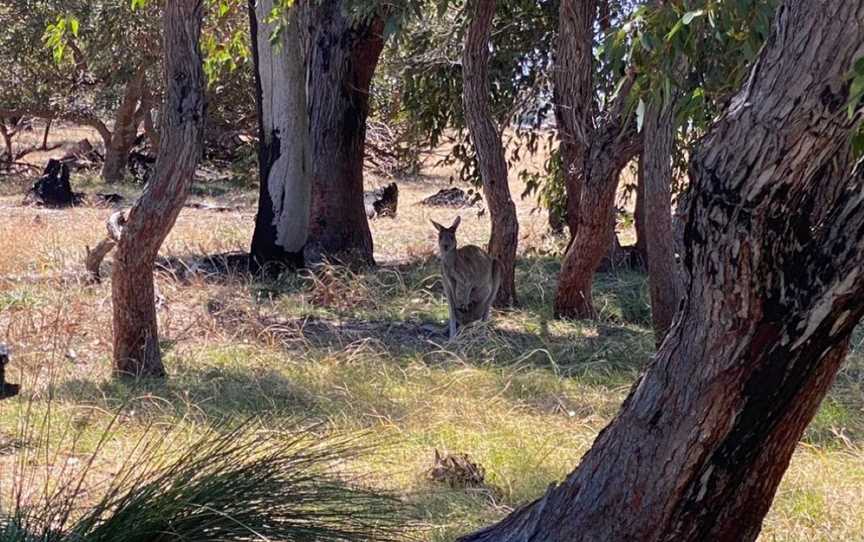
(227, 482)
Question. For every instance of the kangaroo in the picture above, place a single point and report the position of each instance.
(471, 278)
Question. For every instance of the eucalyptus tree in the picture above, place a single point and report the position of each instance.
(344, 49)
(774, 248)
(685, 56)
(284, 142)
(332, 51)
(136, 337)
(696, 54)
(598, 139)
(82, 61)
(422, 74)
(486, 138)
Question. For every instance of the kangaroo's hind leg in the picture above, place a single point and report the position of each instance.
(453, 323)
(493, 291)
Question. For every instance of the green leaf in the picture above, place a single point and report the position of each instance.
(73, 25)
(688, 17)
(858, 144)
(859, 66)
(645, 40)
(223, 9)
(390, 27)
(675, 29)
(856, 92)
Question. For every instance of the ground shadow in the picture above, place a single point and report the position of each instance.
(215, 393)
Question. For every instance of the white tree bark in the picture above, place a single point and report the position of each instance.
(285, 153)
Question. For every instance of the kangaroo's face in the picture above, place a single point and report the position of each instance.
(447, 236)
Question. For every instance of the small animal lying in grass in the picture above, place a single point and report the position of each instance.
(471, 278)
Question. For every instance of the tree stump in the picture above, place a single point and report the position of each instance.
(6, 389)
(382, 201)
(53, 188)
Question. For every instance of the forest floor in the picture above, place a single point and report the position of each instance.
(367, 352)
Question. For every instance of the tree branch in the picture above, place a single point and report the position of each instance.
(52, 114)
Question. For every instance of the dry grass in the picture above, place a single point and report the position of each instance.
(524, 396)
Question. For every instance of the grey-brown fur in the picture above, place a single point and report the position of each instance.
(471, 278)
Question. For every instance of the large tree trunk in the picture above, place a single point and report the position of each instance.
(573, 97)
(655, 179)
(487, 143)
(122, 139)
(284, 152)
(702, 442)
(136, 344)
(343, 58)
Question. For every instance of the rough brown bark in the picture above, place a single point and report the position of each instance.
(504, 236)
(655, 178)
(126, 121)
(701, 443)
(343, 58)
(284, 152)
(573, 95)
(613, 145)
(136, 346)
(592, 156)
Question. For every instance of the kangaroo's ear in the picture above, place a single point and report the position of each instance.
(456, 223)
(438, 226)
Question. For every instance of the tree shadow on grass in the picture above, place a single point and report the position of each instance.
(216, 392)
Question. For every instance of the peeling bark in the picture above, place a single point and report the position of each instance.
(136, 342)
(504, 236)
(639, 215)
(284, 153)
(703, 439)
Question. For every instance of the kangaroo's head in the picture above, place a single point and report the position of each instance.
(447, 236)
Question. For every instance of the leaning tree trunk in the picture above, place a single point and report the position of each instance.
(487, 143)
(122, 139)
(573, 97)
(703, 440)
(343, 58)
(655, 180)
(136, 342)
(284, 151)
